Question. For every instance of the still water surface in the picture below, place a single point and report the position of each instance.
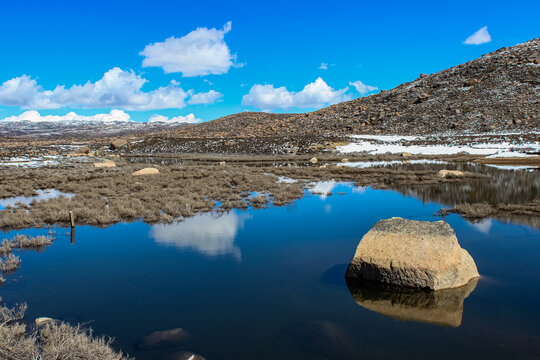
(268, 284)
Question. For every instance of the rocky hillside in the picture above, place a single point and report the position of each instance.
(243, 124)
(498, 92)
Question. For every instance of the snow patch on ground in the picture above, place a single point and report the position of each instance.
(286, 180)
(383, 144)
(371, 164)
(46, 160)
(514, 167)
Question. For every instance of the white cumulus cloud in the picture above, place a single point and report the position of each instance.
(362, 88)
(208, 97)
(116, 89)
(313, 95)
(201, 52)
(34, 116)
(189, 118)
(324, 66)
(480, 37)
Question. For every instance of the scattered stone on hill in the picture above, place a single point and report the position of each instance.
(117, 144)
(451, 173)
(313, 160)
(83, 150)
(146, 171)
(419, 254)
(104, 164)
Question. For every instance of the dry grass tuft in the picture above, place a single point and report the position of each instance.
(10, 263)
(54, 341)
(28, 242)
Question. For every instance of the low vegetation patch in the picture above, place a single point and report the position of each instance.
(52, 341)
(9, 263)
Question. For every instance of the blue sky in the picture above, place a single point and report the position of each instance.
(256, 56)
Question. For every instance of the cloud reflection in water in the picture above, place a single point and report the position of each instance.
(208, 234)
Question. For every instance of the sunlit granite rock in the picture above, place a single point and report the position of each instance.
(418, 254)
(441, 307)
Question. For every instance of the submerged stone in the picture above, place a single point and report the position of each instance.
(164, 338)
(185, 355)
(440, 307)
(419, 254)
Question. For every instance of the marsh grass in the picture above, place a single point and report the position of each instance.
(106, 196)
(10, 263)
(52, 341)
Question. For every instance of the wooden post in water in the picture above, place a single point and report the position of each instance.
(72, 220)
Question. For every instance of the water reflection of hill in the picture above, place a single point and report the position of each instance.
(503, 187)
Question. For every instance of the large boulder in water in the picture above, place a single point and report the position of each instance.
(411, 253)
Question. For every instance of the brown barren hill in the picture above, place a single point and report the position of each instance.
(498, 92)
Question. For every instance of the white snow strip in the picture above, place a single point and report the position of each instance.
(370, 164)
(31, 162)
(383, 144)
(286, 180)
(514, 167)
(509, 154)
(387, 138)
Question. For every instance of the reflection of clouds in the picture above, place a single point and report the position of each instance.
(323, 188)
(483, 226)
(359, 189)
(327, 208)
(204, 233)
(41, 195)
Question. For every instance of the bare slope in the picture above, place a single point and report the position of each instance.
(499, 91)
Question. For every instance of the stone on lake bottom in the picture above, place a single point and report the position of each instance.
(163, 339)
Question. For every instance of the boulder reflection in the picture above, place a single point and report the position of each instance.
(442, 307)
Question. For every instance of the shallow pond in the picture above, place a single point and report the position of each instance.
(269, 284)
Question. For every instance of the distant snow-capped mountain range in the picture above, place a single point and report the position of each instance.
(114, 123)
